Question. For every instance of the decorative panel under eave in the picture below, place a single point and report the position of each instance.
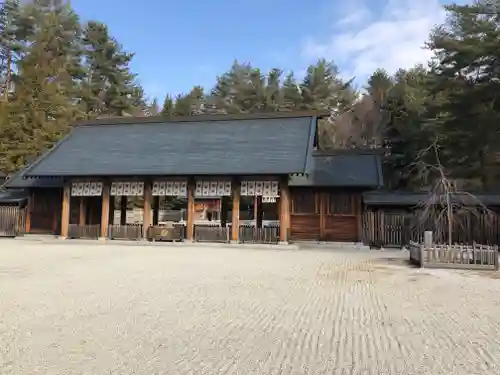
(212, 188)
(266, 199)
(260, 188)
(86, 189)
(127, 189)
(170, 188)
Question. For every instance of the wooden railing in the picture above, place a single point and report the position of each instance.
(478, 257)
(251, 234)
(125, 232)
(12, 221)
(211, 233)
(84, 231)
(172, 233)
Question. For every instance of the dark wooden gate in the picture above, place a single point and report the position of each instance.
(329, 215)
(339, 216)
(12, 221)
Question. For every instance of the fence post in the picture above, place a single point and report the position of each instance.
(495, 252)
(428, 239)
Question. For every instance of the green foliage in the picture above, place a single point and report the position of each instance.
(55, 70)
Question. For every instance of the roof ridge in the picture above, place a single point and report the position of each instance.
(198, 118)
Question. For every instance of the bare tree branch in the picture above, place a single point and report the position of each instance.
(446, 206)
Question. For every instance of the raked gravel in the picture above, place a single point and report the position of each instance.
(78, 308)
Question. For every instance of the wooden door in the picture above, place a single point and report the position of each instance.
(339, 216)
(304, 216)
(45, 211)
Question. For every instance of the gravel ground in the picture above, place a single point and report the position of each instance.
(115, 309)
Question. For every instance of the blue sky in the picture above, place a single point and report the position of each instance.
(181, 44)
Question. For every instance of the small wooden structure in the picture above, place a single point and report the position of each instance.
(326, 204)
(12, 213)
(476, 257)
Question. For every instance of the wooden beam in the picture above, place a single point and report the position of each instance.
(105, 210)
(190, 210)
(146, 217)
(284, 210)
(82, 218)
(123, 210)
(235, 188)
(65, 211)
(29, 210)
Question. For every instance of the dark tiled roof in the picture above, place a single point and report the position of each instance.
(409, 198)
(277, 145)
(349, 169)
(21, 181)
(13, 196)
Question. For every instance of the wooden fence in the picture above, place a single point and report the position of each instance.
(212, 233)
(125, 232)
(477, 257)
(12, 221)
(386, 229)
(84, 231)
(251, 234)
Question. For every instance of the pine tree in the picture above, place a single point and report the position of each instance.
(16, 28)
(109, 87)
(167, 109)
(273, 100)
(291, 94)
(465, 82)
(46, 91)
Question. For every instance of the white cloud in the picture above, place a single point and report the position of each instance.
(393, 37)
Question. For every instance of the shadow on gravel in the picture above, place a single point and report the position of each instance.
(394, 261)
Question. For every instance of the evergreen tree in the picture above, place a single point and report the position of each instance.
(292, 98)
(109, 88)
(16, 28)
(168, 107)
(465, 82)
(44, 102)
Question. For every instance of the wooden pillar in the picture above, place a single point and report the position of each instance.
(359, 216)
(82, 218)
(156, 210)
(65, 211)
(190, 210)
(284, 210)
(146, 216)
(123, 210)
(105, 210)
(112, 210)
(322, 199)
(257, 211)
(236, 187)
(224, 211)
(29, 210)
